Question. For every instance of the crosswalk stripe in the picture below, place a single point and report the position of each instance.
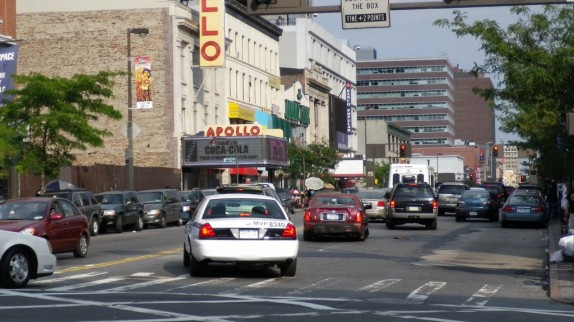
(379, 285)
(144, 284)
(423, 292)
(483, 295)
(315, 286)
(67, 278)
(88, 284)
(249, 287)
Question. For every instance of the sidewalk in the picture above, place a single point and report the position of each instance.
(561, 277)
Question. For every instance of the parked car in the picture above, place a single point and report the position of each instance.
(86, 202)
(332, 214)
(120, 209)
(498, 184)
(496, 191)
(287, 199)
(189, 199)
(246, 229)
(55, 219)
(448, 195)
(476, 204)
(412, 203)
(208, 192)
(524, 207)
(257, 188)
(24, 257)
(375, 197)
(161, 207)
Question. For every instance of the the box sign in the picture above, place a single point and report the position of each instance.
(359, 14)
(248, 151)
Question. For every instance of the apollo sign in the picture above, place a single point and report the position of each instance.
(211, 33)
(234, 130)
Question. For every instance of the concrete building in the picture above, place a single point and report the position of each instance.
(65, 37)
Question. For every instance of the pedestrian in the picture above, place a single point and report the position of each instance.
(552, 199)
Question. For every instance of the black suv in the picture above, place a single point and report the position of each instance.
(189, 199)
(161, 207)
(85, 201)
(412, 203)
(119, 209)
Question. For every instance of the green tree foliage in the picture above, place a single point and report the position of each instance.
(49, 118)
(534, 59)
(382, 174)
(319, 160)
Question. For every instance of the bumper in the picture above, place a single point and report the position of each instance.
(476, 212)
(108, 220)
(524, 217)
(151, 219)
(412, 217)
(46, 265)
(260, 251)
(334, 228)
(377, 214)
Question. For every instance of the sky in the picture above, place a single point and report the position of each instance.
(412, 35)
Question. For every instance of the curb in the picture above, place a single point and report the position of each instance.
(560, 291)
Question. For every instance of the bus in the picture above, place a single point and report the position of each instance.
(410, 173)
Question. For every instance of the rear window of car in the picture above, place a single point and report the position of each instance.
(524, 199)
(475, 194)
(109, 199)
(370, 195)
(333, 200)
(243, 208)
(413, 192)
(451, 188)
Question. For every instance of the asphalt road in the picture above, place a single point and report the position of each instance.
(469, 271)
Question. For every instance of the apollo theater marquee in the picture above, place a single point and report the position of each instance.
(252, 145)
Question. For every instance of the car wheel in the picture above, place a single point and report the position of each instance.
(179, 222)
(185, 257)
(139, 225)
(432, 225)
(503, 224)
(15, 269)
(94, 226)
(292, 210)
(82, 248)
(289, 268)
(196, 268)
(119, 225)
(162, 222)
(390, 224)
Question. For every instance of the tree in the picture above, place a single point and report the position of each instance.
(382, 174)
(49, 118)
(319, 160)
(533, 59)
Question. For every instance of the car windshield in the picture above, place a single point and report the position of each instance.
(453, 189)
(186, 196)
(370, 195)
(150, 197)
(109, 199)
(333, 200)
(243, 208)
(23, 210)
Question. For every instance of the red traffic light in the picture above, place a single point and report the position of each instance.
(495, 151)
(403, 150)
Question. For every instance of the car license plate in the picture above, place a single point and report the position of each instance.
(473, 213)
(413, 208)
(523, 210)
(248, 234)
(332, 217)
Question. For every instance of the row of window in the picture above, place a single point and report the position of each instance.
(405, 69)
(400, 118)
(393, 94)
(252, 52)
(403, 106)
(430, 129)
(402, 82)
(430, 141)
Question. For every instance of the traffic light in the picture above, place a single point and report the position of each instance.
(471, 177)
(495, 151)
(522, 178)
(403, 151)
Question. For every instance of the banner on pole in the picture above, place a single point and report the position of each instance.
(143, 82)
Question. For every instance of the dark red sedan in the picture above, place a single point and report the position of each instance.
(56, 219)
(336, 214)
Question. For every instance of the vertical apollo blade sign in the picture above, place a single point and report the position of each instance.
(8, 62)
(211, 37)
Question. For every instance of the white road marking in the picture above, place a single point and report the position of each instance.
(315, 286)
(208, 282)
(423, 292)
(379, 285)
(142, 274)
(250, 287)
(483, 295)
(67, 278)
(143, 284)
(88, 284)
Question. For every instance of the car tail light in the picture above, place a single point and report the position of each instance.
(392, 203)
(206, 232)
(380, 203)
(359, 217)
(307, 216)
(538, 209)
(289, 232)
(508, 209)
(434, 204)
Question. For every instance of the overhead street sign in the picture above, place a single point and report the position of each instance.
(360, 14)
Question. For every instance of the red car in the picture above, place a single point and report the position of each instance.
(56, 219)
(336, 214)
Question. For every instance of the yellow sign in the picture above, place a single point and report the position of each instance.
(237, 111)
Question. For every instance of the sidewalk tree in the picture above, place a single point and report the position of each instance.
(532, 59)
(319, 160)
(51, 117)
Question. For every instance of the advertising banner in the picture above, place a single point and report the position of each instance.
(8, 61)
(143, 82)
(211, 33)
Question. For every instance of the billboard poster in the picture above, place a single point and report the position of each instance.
(211, 33)
(8, 62)
(143, 82)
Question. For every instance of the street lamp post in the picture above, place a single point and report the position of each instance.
(130, 133)
(303, 160)
(437, 155)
